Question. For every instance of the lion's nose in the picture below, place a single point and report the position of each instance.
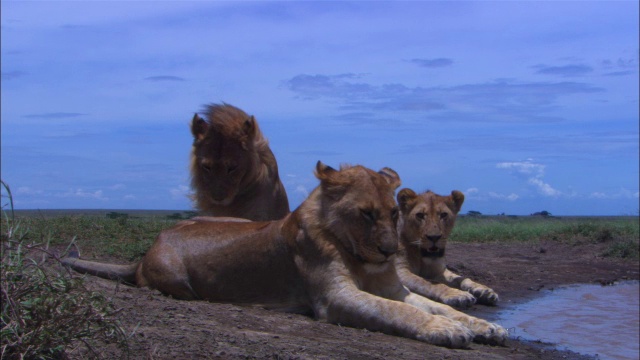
(388, 250)
(434, 238)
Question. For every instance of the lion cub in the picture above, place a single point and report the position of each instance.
(333, 256)
(233, 171)
(425, 224)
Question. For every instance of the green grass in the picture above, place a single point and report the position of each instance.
(620, 233)
(123, 237)
(128, 236)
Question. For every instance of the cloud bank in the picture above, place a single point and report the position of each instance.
(498, 100)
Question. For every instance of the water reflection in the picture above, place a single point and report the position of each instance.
(588, 319)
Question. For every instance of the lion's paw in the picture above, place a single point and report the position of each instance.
(459, 299)
(492, 334)
(485, 295)
(446, 332)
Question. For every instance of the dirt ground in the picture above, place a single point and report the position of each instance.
(170, 329)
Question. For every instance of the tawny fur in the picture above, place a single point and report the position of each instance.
(233, 171)
(333, 256)
(425, 225)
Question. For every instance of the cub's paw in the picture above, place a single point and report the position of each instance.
(459, 299)
(492, 334)
(442, 331)
(485, 295)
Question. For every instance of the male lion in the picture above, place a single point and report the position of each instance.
(424, 227)
(233, 171)
(333, 256)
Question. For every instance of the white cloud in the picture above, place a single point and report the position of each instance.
(472, 190)
(25, 190)
(510, 197)
(79, 193)
(117, 187)
(544, 188)
(526, 167)
(620, 194)
(533, 173)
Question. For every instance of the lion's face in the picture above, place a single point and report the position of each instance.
(220, 159)
(359, 208)
(427, 219)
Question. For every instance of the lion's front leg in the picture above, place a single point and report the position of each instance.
(484, 331)
(438, 292)
(484, 294)
(359, 309)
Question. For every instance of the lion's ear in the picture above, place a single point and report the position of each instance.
(458, 199)
(249, 127)
(405, 199)
(391, 176)
(199, 127)
(330, 181)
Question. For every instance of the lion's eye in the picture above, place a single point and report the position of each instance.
(231, 168)
(368, 215)
(420, 215)
(443, 215)
(206, 168)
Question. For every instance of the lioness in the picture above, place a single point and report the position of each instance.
(333, 256)
(233, 171)
(424, 227)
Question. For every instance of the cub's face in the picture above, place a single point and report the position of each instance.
(427, 220)
(359, 209)
(219, 162)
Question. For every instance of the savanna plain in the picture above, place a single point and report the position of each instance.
(50, 312)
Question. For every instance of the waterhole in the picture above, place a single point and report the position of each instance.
(588, 319)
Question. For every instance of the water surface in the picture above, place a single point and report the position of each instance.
(587, 319)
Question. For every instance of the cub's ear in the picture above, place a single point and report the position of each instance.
(199, 127)
(330, 181)
(458, 199)
(406, 197)
(324, 172)
(391, 176)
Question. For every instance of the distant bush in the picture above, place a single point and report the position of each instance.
(543, 213)
(175, 216)
(190, 214)
(117, 215)
(180, 216)
(474, 213)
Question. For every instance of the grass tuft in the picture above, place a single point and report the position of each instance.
(47, 313)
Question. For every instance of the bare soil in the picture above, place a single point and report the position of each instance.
(164, 328)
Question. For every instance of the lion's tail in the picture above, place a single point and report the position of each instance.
(124, 273)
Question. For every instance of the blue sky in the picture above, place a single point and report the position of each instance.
(523, 106)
